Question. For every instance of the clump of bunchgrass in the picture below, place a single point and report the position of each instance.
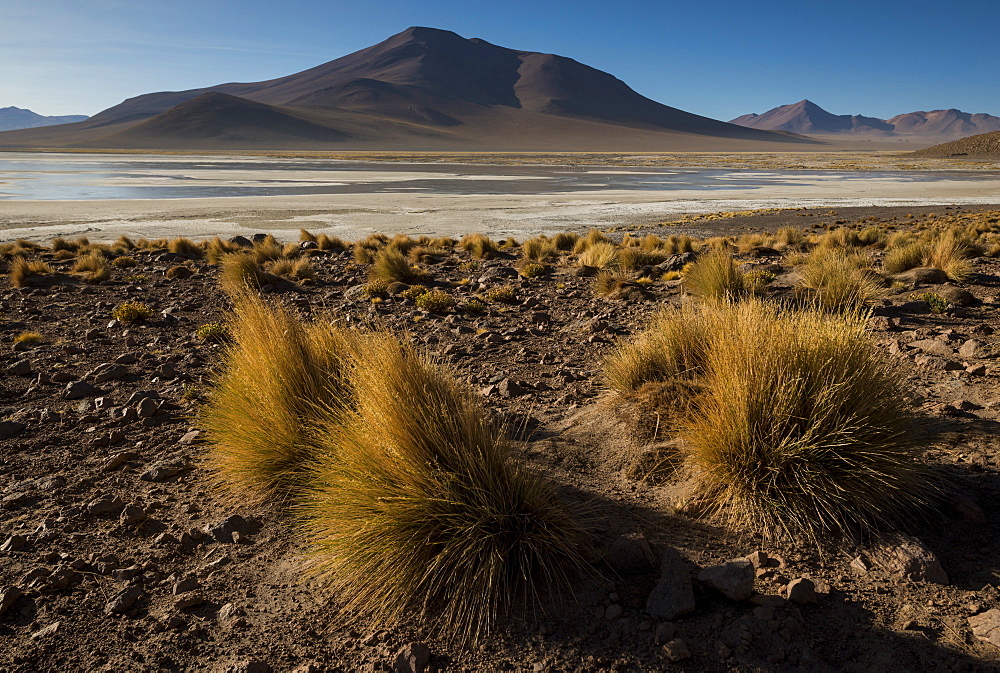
(280, 381)
(533, 270)
(185, 246)
(418, 508)
(716, 277)
(799, 425)
(835, 283)
(23, 272)
(28, 338)
(131, 311)
(93, 266)
(904, 257)
(124, 262)
(600, 255)
(479, 246)
(240, 271)
(392, 266)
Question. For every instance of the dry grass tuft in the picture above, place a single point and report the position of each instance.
(94, 266)
(835, 283)
(418, 508)
(23, 272)
(185, 246)
(241, 271)
(801, 426)
(280, 381)
(392, 266)
(715, 277)
(479, 246)
(599, 255)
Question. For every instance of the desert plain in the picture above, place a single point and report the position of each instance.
(122, 554)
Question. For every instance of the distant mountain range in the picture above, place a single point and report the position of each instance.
(421, 89)
(18, 118)
(807, 118)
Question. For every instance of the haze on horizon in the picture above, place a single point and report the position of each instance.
(720, 59)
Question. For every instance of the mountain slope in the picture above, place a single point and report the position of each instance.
(423, 88)
(808, 118)
(986, 145)
(12, 118)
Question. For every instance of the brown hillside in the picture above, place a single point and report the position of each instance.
(982, 145)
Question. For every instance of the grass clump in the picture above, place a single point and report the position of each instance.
(26, 339)
(419, 509)
(124, 262)
(474, 306)
(24, 272)
(715, 277)
(435, 301)
(240, 271)
(131, 311)
(903, 258)
(392, 266)
(93, 266)
(185, 246)
(835, 283)
(600, 255)
(479, 246)
(280, 380)
(799, 425)
(533, 270)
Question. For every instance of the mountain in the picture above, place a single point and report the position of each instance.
(18, 118)
(421, 89)
(807, 118)
(984, 145)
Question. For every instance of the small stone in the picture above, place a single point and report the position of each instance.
(673, 594)
(412, 658)
(147, 407)
(123, 601)
(190, 437)
(7, 598)
(971, 349)
(676, 650)
(509, 389)
(733, 579)
(613, 612)
(958, 296)
(20, 368)
(223, 532)
(13, 543)
(986, 626)
(630, 554)
(189, 601)
(185, 585)
(250, 666)
(11, 429)
(932, 346)
(664, 632)
(165, 371)
(801, 591)
(49, 630)
(909, 559)
(759, 559)
(131, 515)
(81, 389)
(161, 471)
(117, 460)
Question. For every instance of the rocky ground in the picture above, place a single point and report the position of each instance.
(118, 556)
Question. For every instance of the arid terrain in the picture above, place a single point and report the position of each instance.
(119, 555)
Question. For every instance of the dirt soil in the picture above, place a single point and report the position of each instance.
(118, 556)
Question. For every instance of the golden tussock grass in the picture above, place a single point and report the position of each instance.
(419, 509)
(29, 338)
(391, 266)
(216, 248)
(298, 270)
(539, 249)
(479, 246)
(93, 266)
(716, 277)
(281, 379)
(331, 243)
(799, 426)
(185, 246)
(835, 282)
(241, 271)
(600, 255)
(23, 272)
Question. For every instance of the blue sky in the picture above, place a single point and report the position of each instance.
(718, 59)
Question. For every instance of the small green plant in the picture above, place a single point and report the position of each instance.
(934, 301)
(375, 288)
(137, 278)
(413, 292)
(435, 301)
(213, 332)
(474, 306)
(533, 270)
(131, 311)
(505, 293)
